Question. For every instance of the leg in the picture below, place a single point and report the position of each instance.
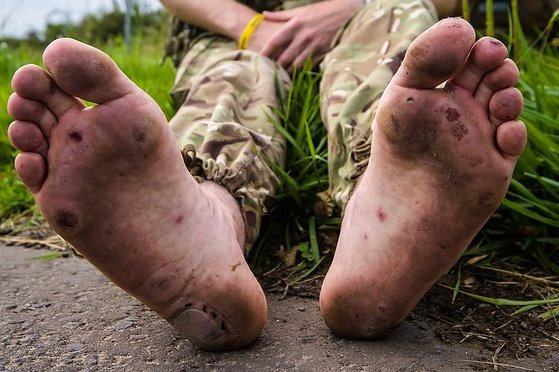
(445, 8)
(227, 98)
(355, 73)
(441, 161)
(111, 181)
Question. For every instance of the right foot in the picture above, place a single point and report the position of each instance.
(111, 181)
(441, 161)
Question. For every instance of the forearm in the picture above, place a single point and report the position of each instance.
(226, 17)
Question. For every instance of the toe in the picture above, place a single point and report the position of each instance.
(33, 83)
(31, 169)
(26, 136)
(503, 76)
(436, 55)
(505, 105)
(511, 138)
(32, 111)
(86, 72)
(487, 54)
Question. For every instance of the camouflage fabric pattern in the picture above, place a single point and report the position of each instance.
(228, 96)
(355, 73)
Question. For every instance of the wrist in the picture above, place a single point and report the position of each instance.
(236, 25)
(249, 29)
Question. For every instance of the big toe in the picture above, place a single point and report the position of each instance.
(436, 55)
(86, 72)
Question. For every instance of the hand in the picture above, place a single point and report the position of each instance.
(306, 31)
(264, 32)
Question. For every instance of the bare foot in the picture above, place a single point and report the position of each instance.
(110, 180)
(441, 162)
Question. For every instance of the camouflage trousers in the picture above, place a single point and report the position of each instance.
(227, 97)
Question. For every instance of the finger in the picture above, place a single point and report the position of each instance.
(277, 43)
(302, 58)
(279, 16)
(289, 55)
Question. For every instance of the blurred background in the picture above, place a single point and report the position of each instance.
(100, 19)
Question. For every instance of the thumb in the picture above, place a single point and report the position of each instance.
(279, 16)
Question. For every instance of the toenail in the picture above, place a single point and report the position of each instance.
(496, 43)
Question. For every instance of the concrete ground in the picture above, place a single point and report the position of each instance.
(63, 315)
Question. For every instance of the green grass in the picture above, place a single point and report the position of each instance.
(14, 198)
(304, 175)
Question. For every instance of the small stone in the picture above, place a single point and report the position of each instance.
(126, 322)
(123, 324)
(300, 308)
(91, 361)
(74, 348)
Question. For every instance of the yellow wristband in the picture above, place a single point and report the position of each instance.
(249, 30)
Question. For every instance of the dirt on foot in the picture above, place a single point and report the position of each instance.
(63, 315)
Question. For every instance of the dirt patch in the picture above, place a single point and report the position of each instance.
(63, 315)
(464, 321)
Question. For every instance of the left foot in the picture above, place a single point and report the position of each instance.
(111, 181)
(441, 162)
